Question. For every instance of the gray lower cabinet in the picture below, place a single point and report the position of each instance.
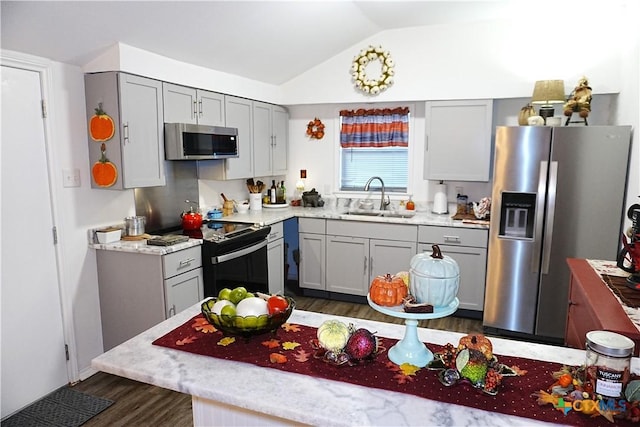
(138, 291)
(275, 258)
(312, 244)
(344, 256)
(359, 251)
(468, 247)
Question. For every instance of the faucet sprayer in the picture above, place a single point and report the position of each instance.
(383, 204)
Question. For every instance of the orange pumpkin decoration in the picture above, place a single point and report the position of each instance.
(101, 127)
(388, 290)
(477, 342)
(104, 173)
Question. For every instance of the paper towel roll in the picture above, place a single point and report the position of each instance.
(440, 204)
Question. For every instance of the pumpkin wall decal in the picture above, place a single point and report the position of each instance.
(104, 173)
(101, 126)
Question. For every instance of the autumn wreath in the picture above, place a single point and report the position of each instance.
(359, 65)
(315, 129)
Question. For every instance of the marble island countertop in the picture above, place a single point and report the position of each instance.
(284, 397)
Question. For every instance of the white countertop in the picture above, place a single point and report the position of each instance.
(306, 399)
(140, 246)
(268, 216)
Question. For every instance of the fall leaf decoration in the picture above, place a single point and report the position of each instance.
(272, 343)
(104, 173)
(277, 358)
(226, 341)
(101, 126)
(290, 345)
(202, 325)
(315, 129)
(302, 355)
(187, 340)
(404, 373)
(290, 327)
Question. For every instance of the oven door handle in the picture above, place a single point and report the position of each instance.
(239, 253)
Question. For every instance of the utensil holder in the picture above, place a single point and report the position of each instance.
(255, 201)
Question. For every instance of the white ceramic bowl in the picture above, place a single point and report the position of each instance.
(108, 236)
(242, 207)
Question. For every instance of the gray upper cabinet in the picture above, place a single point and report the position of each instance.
(188, 105)
(270, 126)
(136, 149)
(239, 114)
(458, 140)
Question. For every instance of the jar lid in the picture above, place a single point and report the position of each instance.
(610, 343)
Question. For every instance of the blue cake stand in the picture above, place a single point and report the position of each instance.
(410, 349)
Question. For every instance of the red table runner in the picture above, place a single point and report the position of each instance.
(289, 349)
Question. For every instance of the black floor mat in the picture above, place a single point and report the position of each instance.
(64, 407)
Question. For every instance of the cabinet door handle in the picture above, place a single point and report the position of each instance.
(370, 266)
(200, 108)
(125, 133)
(186, 262)
(452, 239)
(194, 113)
(365, 265)
(172, 311)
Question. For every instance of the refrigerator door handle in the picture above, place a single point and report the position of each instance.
(537, 237)
(551, 209)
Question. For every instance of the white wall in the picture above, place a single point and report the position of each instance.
(79, 209)
(476, 61)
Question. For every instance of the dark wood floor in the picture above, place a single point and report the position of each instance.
(139, 404)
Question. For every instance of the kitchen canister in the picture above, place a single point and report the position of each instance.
(434, 278)
(134, 225)
(608, 362)
(255, 201)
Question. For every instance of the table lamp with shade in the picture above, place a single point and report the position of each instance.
(547, 93)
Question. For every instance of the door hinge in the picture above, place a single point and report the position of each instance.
(54, 230)
(44, 108)
(66, 351)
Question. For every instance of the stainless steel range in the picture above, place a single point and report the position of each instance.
(234, 254)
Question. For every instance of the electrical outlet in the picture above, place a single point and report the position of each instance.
(71, 177)
(459, 190)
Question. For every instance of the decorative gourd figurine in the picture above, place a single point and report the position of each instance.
(387, 290)
(434, 278)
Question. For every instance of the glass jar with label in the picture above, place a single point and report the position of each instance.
(608, 362)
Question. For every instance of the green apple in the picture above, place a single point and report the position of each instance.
(219, 305)
(227, 313)
(238, 294)
(225, 294)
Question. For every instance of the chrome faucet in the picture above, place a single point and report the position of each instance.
(383, 204)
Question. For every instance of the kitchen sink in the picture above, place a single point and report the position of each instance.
(380, 213)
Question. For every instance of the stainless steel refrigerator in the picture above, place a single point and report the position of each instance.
(558, 193)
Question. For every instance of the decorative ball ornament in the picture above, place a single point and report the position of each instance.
(372, 85)
(315, 129)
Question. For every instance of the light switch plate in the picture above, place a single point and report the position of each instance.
(71, 177)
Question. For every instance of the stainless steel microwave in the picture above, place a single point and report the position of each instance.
(186, 141)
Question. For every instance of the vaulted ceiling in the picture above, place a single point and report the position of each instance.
(267, 41)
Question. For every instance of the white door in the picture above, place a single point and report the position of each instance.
(33, 354)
